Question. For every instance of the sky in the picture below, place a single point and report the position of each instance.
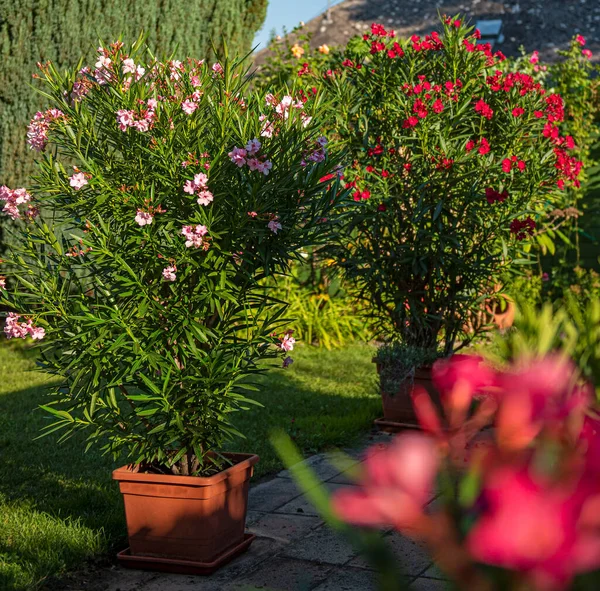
(288, 13)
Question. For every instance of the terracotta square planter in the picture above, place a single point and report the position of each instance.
(189, 518)
(398, 406)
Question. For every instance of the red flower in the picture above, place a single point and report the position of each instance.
(410, 122)
(376, 47)
(369, 168)
(438, 106)
(484, 147)
(484, 109)
(469, 145)
(521, 165)
(492, 195)
(506, 165)
(381, 207)
(419, 109)
(538, 114)
(586, 53)
(396, 51)
(379, 30)
(385, 174)
(522, 228)
(580, 39)
(518, 111)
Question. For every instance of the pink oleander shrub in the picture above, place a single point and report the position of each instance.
(168, 191)
(522, 497)
(455, 166)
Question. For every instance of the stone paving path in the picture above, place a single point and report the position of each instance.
(294, 550)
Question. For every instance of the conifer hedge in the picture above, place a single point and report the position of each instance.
(34, 31)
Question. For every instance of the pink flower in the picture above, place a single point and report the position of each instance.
(189, 107)
(535, 395)
(217, 68)
(531, 525)
(287, 342)
(200, 180)
(78, 180)
(103, 62)
(238, 156)
(14, 198)
(396, 485)
(586, 53)
(205, 197)
(125, 119)
(253, 146)
(143, 218)
(535, 58)
(252, 214)
(195, 236)
(129, 66)
(580, 39)
(265, 167)
(274, 225)
(467, 372)
(169, 273)
(195, 81)
(21, 330)
(37, 131)
(198, 185)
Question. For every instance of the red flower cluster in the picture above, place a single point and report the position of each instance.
(568, 167)
(523, 83)
(484, 109)
(494, 196)
(522, 228)
(507, 164)
(430, 43)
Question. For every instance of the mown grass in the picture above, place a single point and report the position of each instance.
(59, 506)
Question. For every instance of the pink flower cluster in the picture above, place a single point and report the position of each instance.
(287, 341)
(534, 480)
(37, 131)
(169, 273)
(195, 236)
(143, 218)
(13, 198)
(141, 122)
(199, 186)
(21, 330)
(249, 156)
(78, 180)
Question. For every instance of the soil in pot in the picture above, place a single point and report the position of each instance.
(190, 518)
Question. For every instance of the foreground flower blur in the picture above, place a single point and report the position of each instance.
(526, 495)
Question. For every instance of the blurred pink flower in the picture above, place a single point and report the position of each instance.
(535, 526)
(396, 485)
(169, 273)
(540, 393)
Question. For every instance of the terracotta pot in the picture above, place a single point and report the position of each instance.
(398, 406)
(191, 518)
(502, 319)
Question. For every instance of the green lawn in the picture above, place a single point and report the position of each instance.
(59, 507)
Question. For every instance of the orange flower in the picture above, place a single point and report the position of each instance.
(324, 49)
(297, 50)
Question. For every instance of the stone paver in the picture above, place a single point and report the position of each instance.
(423, 584)
(349, 579)
(323, 546)
(281, 527)
(413, 559)
(271, 495)
(303, 506)
(294, 550)
(284, 574)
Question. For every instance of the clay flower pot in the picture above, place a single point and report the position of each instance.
(186, 523)
(398, 407)
(502, 318)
